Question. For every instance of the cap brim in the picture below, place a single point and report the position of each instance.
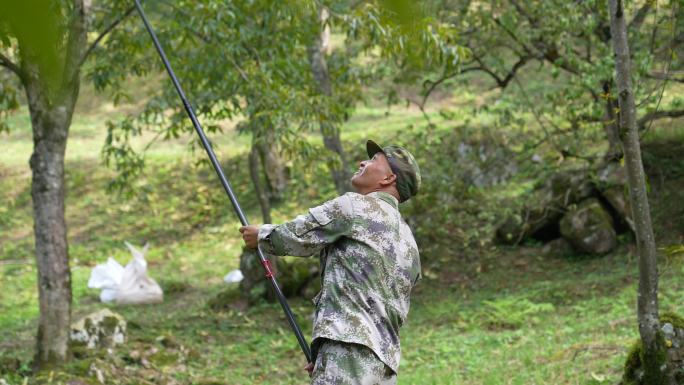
(372, 148)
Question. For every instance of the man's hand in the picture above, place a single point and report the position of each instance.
(250, 234)
(309, 368)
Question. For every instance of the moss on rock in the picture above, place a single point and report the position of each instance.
(634, 373)
(675, 319)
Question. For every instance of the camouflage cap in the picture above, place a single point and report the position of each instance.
(403, 165)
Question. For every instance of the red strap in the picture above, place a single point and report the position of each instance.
(268, 267)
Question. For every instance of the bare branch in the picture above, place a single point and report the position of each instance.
(656, 115)
(666, 76)
(500, 82)
(421, 107)
(640, 16)
(7, 63)
(105, 32)
(541, 51)
(433, 86)
(521, 62)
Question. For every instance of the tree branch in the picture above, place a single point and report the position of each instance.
(7, 63)
(500, 83)
(523, 60)
(641, 123)
(433, 85)
(665, 76)
(76, 42)
(543, 51)
(515, 39)
(533, 22)
(640, 16)
(105, 32)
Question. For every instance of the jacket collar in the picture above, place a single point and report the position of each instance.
(385, 197)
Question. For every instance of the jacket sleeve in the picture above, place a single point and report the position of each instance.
(308, 234)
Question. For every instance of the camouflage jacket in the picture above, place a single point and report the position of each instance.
(369, 264)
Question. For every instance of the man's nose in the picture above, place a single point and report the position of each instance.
(362, 163)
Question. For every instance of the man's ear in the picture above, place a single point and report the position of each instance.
(389, 180)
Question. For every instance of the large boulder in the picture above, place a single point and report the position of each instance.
(570, 187)
(611, 174)
(612, 183)
(589, 228)
(615, 196)
(546, 204)
(103, 328)
(484, 162)
(533, 221)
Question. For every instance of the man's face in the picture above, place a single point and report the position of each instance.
(372, 173)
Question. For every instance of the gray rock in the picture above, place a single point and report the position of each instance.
(589, 228)
(103, 328)
(484, 163)
(668, 330)
(570, 187)
(612, 184)
(618, 201)
(546, 206)
(558, 247)
(511, 230)
(612, 174)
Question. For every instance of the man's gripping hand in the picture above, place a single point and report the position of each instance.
(250, 234)
(309, 368)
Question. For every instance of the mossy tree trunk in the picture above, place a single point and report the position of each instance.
(647, 311)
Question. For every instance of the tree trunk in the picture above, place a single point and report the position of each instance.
(647, 307)
(248, 259)
(275, 172)
(51, 93)
(50, 130)
(611, 126)
(329, 131)
(261, 195)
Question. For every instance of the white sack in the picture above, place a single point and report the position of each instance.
(126, 285)
(234, 276)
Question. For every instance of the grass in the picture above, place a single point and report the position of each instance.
(513, 316)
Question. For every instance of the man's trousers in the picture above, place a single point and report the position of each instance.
(341, 363)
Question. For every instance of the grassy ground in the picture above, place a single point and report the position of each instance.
(515, 316)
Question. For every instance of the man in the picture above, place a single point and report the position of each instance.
(369, 264)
